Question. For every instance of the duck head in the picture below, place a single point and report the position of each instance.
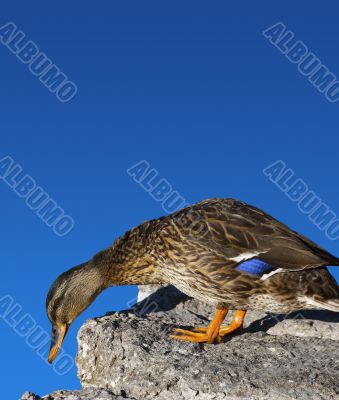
(70, 294)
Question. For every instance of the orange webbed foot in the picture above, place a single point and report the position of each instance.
(195, 337)
(209, 335)
(214, 330)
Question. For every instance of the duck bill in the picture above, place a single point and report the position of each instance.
(58, 334)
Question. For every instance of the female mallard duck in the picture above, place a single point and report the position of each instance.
(221, 251)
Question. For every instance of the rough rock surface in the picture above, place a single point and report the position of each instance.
(88, 393)
(129, 355)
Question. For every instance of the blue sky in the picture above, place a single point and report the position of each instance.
(195, 89)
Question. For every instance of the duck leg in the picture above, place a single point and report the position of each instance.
(236, 323)
(214, 330)
(206, 335)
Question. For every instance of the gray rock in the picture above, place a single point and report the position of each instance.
(85, 394)
(275, 357)
(306, 325)
(30, 396)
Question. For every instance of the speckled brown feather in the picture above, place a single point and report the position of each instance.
(194, 249)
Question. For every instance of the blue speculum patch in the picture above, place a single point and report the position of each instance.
(255, 266)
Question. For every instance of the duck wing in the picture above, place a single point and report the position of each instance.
(235, 231)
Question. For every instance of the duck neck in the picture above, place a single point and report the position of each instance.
(130, 268)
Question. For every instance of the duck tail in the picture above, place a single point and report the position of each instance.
(331, 305)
